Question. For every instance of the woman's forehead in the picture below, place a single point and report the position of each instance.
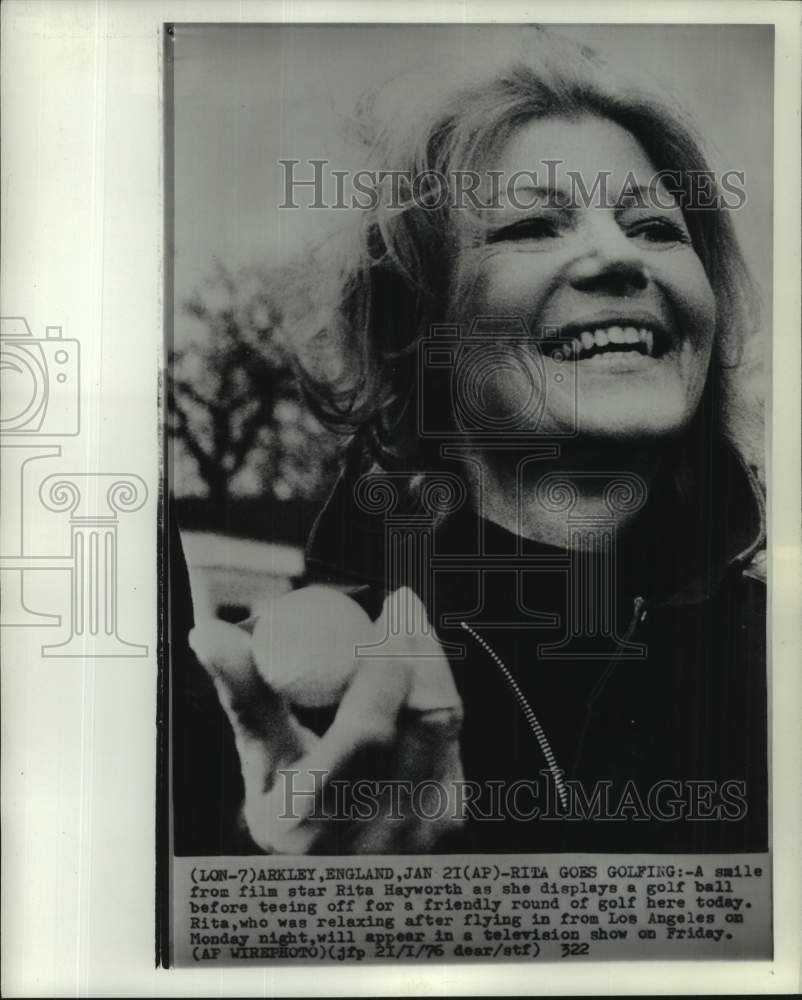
(553, 152)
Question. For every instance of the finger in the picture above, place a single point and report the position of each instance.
(419, 803)
(428, 761)
(403, 621)
(432, 720)
(368, 714)
(224, 650)
(265, 732)
(376, 735)
(409, 636)
(422, 737)
(363, 734)
(373, 732)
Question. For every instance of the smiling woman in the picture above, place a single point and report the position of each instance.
(600, 276)
(559, 644)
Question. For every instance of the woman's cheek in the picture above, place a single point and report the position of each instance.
(687, 285)
(507, 285)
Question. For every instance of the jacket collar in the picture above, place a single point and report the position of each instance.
(721, 530)
(727, 528)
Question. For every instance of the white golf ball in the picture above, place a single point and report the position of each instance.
(304, 644)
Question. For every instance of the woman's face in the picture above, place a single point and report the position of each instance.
(621, 285)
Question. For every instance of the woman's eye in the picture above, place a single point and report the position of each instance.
(659, 231)
(526, 229)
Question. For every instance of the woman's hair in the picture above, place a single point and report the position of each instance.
(379, 285)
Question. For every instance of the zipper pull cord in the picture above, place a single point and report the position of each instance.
(529, 715)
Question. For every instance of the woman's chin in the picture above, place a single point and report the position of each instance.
(659, 422)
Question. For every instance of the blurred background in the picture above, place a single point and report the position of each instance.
(249, 465)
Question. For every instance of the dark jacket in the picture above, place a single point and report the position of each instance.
(661, 751)
(665, 751)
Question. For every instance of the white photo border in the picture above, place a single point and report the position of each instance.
(83, 249)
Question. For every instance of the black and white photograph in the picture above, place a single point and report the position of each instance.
(467, 384)
(400, 537)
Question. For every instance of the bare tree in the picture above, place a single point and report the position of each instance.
(232, 387)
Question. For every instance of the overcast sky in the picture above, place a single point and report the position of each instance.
(246, 97)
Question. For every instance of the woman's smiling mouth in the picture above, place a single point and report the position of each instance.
(613, 347)
(611, 340)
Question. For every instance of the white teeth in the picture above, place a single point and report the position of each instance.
(602, 337)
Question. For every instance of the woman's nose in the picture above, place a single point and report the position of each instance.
(610, 261)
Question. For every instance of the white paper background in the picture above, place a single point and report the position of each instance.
(81, 230)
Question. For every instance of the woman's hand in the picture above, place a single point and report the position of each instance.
(394, 735)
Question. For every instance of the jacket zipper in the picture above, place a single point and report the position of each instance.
(529, 715)
(638, 614)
